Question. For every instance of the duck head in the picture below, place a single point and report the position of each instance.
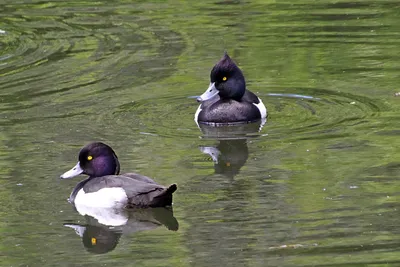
(96, 160)
(227, 81)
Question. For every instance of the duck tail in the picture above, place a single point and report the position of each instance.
(165, 197)
(172, 188)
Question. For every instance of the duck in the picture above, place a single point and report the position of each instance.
(226, 100)
(102, 238)
(106, 188)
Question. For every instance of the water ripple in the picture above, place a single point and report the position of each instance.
(318, 113)
(67, 54)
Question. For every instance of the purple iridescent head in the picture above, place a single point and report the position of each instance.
(96, 160)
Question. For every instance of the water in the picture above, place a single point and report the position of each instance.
(317, 186)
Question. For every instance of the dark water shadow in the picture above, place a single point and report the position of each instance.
(230, 153)
(229, 156)
(100, 238)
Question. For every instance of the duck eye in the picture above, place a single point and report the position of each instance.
(93, 241)
(224, 78)
(89, 158)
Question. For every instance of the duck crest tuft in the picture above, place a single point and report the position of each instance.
(225, 66)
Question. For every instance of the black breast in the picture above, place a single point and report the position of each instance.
(222, 111)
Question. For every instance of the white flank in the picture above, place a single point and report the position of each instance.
(104, 205)
(261, 108)
(109, 197)
(196, 115)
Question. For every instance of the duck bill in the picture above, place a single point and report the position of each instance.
(75, 171)
(209, 93)
(212, 151)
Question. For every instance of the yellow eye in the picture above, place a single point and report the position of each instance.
(94, 241)
(89, 158)
(224, 79)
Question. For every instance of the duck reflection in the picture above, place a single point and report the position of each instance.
(231, 152)
(228, 156)
(236, 131)
(102, 238)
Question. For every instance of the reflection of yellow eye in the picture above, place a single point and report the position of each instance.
(224, 79)
(89, 158)
(94, 241)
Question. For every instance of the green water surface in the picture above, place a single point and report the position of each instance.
(317, 186)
